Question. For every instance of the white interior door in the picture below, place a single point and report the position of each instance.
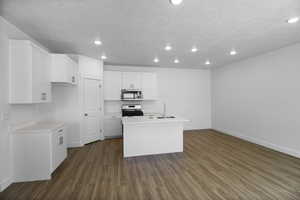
(92, 110)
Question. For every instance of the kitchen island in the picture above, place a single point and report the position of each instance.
(148, 135)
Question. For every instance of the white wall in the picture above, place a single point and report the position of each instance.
(18, 114)
(66, 101)
(258, 99)
(185, 91)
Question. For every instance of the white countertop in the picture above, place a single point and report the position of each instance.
(45, 126)
(151, 119)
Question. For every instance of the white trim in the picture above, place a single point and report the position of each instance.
(5, 183)
(261, 142)
(75, 144)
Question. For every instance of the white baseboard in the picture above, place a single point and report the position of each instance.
(74, 144)
(5, 183)
(199, 129)
(261, 142)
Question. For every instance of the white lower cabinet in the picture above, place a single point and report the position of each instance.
(112, 127)
(38, 150)
(59, 147)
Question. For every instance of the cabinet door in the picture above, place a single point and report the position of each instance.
(46, 76)
(37, 75)
(61, 69)
(20, 72)
(112, 85)
(112, 127)
(89, 67)
(149, 86)
(29, 73)
(74, 73)
(40, 75)
(131, 80)
(70, 70)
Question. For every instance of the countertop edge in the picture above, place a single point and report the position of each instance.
(53, 125)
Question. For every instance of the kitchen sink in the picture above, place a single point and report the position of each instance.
(166, 117)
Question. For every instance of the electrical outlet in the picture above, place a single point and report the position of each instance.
(4, 116)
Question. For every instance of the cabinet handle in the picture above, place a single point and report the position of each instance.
(44, 96)
(73, 79)
(61, 130)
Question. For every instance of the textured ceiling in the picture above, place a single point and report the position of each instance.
(133, 32)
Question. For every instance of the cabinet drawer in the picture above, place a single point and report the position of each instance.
(59, 147)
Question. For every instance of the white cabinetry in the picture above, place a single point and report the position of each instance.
(112, 85)
(131, 80)
(112, 126)
(29, 73)
(38, 150)
(81, 107)
(114, 81)
(63, 69)
(149, 86)
(90, 67)
(59, 147)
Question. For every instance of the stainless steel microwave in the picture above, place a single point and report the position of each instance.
(130, 94)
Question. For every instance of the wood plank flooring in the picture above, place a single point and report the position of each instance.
(213, 166)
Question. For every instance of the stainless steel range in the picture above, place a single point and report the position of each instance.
(129, 110)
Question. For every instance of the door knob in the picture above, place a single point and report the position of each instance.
(85, 114)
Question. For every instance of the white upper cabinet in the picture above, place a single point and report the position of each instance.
(131, 80)
(29, 73)
(63, 69)
(114, 81)
(112, 85)
(90, 67)
(149, 86)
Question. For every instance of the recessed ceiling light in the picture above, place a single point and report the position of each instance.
(156, 60)
(293, 20)
(194, 49)
(103, 57)
(233, 52)
(207, 62)
(175, 2)
(168, 47)
(176, 61)
(97, 42)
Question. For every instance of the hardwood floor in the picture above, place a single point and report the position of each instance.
(213, 166)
